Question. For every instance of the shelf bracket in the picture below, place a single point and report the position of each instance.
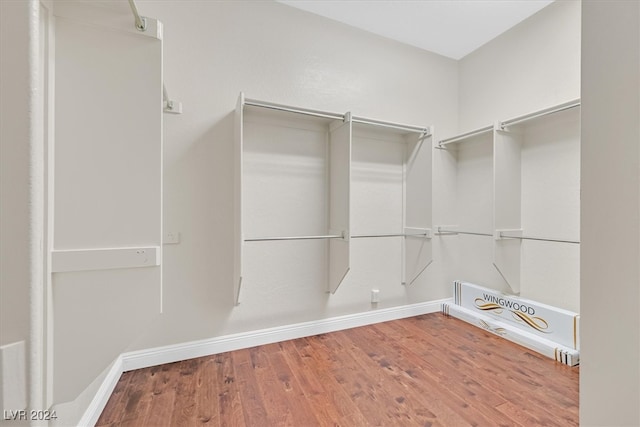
(424, 233)
(514, 233)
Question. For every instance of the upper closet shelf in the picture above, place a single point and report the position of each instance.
(537, 114)
(293, 182)
(465, 136)
(401, 128)
(305, 111)
(504, 124)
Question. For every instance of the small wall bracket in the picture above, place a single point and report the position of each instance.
(172, 107)
(510, 233)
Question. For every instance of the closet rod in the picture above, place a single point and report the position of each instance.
(540, 113)
(470, 233)
(269, 239)
(336, 116)
(279, 107)
(407, 128)
(540, 239)
(463, 136)
(364, 236)
(140, 22)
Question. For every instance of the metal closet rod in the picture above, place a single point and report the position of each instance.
(505, 236)
(362, 120)
(280, 107)
(506, 123)
(268, 239)
(469, 134)
(562, 107)
(540, 239)
(331, 236)
(140, 22)
(364, 236)
(470, 233)
(334, 116)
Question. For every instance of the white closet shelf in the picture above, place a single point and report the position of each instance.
(279, 123)
(450, 230)
(296, 110)
(400, 127)
(424, 234)
(275, 238)
(537, 114)
(503, 124)
(508, 140)
(464, 137)
(504, 235)
(499, 234)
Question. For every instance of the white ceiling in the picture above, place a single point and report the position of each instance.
(453, 28)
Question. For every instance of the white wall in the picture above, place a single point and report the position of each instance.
(214, 50)
(16, 113)
(534, 65)
(14, 181)
(610, 334)
(107, 176)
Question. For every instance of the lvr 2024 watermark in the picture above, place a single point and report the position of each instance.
(29, 415)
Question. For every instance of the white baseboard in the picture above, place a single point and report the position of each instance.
(173, 353)
(189, 350)
(100, 399)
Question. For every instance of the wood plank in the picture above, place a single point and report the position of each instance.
(445, 405)
(184, 413)
(456, 391)
(231, 407)
(526, 374)
(275, 401)
(301, 410)
(140, 395)
(207, 403)
(407, 407)
(160, 402)
(310, 384)
(337, 401)
(427, 370)
(115, 407)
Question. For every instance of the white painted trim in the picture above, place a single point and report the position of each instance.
(35, 345)
(99, 401)
(189, 350)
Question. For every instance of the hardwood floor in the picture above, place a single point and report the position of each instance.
(428, 370)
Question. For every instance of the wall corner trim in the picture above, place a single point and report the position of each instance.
(189, 350)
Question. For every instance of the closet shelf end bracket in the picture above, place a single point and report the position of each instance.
(513, 233)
